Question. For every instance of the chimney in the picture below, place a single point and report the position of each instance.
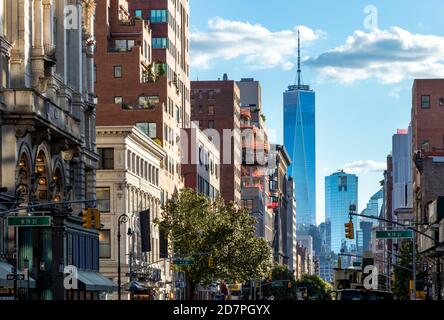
(225, 77)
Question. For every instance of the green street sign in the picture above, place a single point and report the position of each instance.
(394, 234)
(183, 262)
(277, 284)
(43, 221)
(357, 264)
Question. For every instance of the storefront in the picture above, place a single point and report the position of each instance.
(7, 286)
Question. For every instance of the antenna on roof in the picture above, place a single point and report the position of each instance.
(299, 59)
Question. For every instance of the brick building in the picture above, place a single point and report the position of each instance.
(428, 170)
(215, 105)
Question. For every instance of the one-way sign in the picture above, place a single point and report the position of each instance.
(15, 277)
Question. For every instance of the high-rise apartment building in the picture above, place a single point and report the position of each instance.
(215, 108)
(341, 191)
(300, 141)
(142, 73)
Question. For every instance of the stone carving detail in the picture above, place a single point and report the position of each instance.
(22, 130)
(88, 8)
(41, 135)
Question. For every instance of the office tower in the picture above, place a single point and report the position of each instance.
(341, 191)
(215, 107)
(300, 141)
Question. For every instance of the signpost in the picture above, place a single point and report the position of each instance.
(394, 234)
(25, 221)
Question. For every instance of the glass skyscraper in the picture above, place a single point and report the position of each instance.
(300, 141)
(341, 191)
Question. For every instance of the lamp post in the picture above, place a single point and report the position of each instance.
(26, 265)
(124, 218)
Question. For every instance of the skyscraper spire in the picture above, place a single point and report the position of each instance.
(299, 59)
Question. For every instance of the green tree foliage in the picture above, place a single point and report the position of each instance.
(402, 276)
(201, 229)
(315, 287)
(279, 287)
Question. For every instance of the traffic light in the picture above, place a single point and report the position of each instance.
(210, 262)
(349, 230)
(87, 218)
(96, 214)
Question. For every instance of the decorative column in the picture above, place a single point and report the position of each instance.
(38, 63)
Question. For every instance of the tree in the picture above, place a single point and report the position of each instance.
(315, 287)
(282, 285)
(403, 276)
(202, 229)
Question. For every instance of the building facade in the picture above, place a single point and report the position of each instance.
(341, 191)
(215, 107)
(142, 74)
(428, 171)
(128, 181)
(48, 149)
(200, 163)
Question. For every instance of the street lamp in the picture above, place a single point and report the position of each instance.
(124, 218)
(26, 265)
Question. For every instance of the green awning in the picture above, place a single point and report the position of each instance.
(5, 269)
(94, 281)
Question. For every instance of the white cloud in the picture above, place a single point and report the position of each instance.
(362, 166)
(255, 44)
(387, 55)
(395, 93)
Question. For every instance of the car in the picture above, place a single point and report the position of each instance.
(362, 294)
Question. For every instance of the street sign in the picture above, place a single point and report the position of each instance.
(183, 262)
(394, 234)
(23, 221)
(277, 284)
(15, 277)
(357, 264)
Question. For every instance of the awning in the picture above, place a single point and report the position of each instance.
(5, 269)
(94, 281)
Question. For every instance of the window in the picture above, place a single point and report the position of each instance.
(425, 102)
(441, 102)
(149, 128)
(138, 13)
(342, 183)
(159, 16)
(105, 244)
(106, 161)
(159, 43)
(148, 102)
(211, 110)
(124, 45)
(118, 100)
(211, 124)
(117, 71)
(4, 66)
(103, 199)
(177, 114)
(95, 73)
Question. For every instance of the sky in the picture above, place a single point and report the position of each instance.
(359, 56)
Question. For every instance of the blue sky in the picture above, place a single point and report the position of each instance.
(361, 71)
